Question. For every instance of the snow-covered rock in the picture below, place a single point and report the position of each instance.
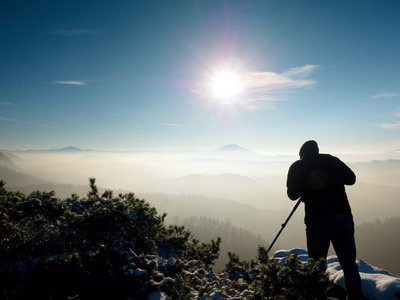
(376, 283)
(158, 296)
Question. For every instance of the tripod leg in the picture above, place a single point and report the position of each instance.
(284, 225)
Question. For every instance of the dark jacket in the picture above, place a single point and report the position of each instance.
(319, 180)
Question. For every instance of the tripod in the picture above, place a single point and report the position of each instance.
(284, 225)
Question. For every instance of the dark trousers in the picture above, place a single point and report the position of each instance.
(338, 229)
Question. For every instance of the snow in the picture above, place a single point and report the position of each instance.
(376, 282)
(158, 296)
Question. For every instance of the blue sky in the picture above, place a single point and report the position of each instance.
(136, 75)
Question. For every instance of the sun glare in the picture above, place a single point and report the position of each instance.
(226, 84)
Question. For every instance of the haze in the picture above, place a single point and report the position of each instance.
(230, 184)
(230, 172)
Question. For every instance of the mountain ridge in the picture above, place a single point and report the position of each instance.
(232, 152)
(232, 148)
(6, 161)
(68, 149)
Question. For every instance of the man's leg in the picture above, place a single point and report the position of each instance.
(345, 248)
(318, 241)
(318, 237)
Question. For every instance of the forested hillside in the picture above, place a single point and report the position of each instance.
(378, 242)
(18, 179)
(6, 161)
(241, 241)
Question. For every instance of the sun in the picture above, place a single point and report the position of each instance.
(226, 85)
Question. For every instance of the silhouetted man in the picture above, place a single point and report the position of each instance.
(319, 180)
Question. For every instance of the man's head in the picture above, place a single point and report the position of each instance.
(309, 148)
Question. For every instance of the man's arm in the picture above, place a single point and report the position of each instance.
(293, 183)
(349, 178)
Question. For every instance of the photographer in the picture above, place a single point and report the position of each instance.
(319, 180)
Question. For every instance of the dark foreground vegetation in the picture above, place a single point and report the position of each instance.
(117, 247)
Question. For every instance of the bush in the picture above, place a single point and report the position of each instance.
(106, 247)
(99, 246)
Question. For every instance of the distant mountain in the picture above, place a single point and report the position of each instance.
(395, 163)
(12, 156)
(14, 178)
(384, 172)
(5, 161)
(232, 148)
(69, 149)
(233, 151)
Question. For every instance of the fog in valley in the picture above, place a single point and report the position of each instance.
(235, 189)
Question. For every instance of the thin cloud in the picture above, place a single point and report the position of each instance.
(173, 125)
(300, 72)
(12, 120)
(267, 81)
(70, 82)
(258, 88)
(390, 125)
(7, 104)
(386, 95)
(75, 32)
(263, 87)
(6, 119)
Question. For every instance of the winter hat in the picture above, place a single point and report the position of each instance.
(309, 148)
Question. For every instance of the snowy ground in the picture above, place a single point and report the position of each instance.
(377, 283)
